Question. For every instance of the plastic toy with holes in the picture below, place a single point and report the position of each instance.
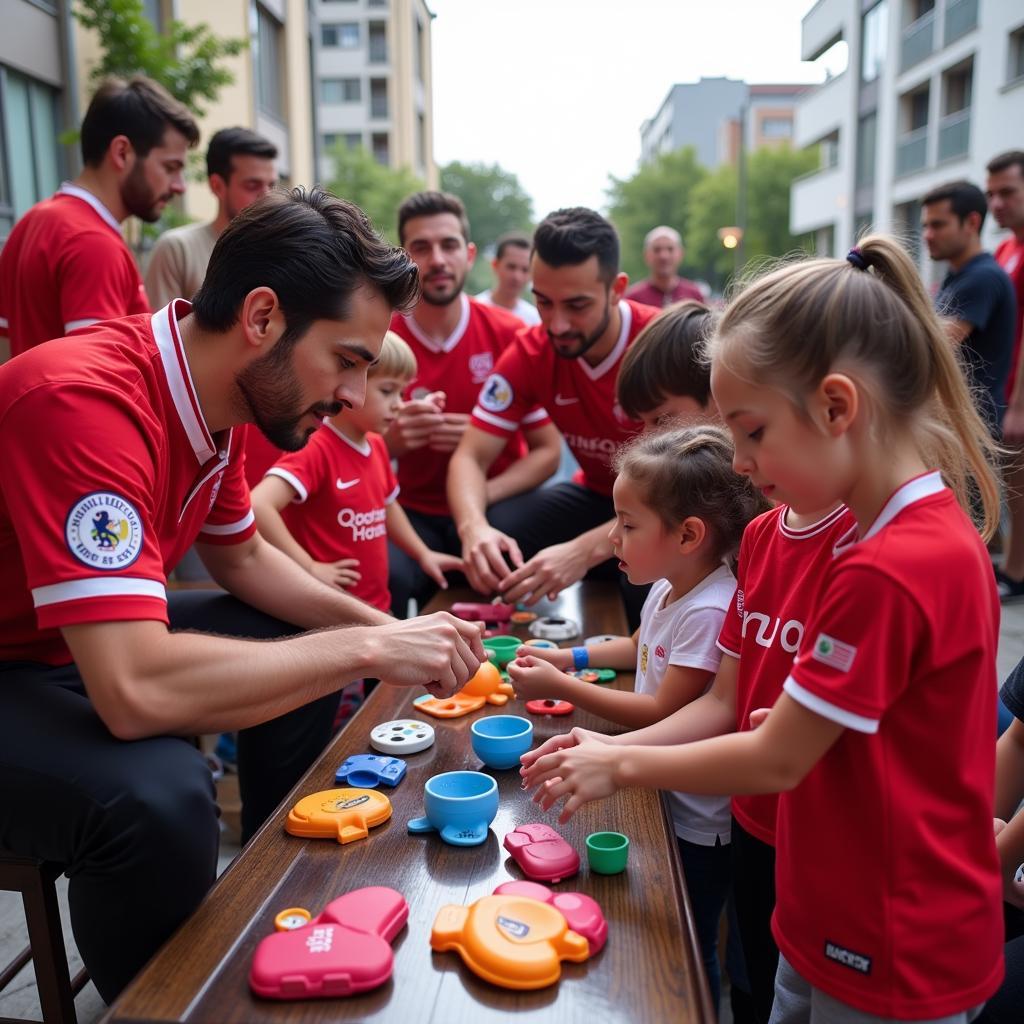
(342, 814)
(512, 941)
(486, 687)
(582, 912)
(346, 950)
(542, 853)
(367, 771)
(549, 706)
(403, 736)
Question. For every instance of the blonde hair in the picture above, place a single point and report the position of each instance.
(396, 359)
(868, 316)
(687, 472)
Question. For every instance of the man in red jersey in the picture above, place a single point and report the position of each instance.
(568, 364)
(103, 674)
(66, 265)
(663, 254)
(1004, 190)
(457, 341)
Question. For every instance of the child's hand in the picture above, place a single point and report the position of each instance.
(436, 563)
(563, 742)
(340, 574)
(560, 657)
(533, 678)
(758, 716)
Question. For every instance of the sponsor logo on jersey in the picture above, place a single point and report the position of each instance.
(344, 485)
(789, 633)
(364, 525)
(496, 395)
(565, 399)
(591, 445)
(480, 365)
(104, 531)
(834, 653)
(855, 961)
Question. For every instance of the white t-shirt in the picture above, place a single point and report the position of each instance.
(527, 313)
(685, 634)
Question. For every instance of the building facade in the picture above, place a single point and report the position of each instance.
(373, 82)
(932, 91)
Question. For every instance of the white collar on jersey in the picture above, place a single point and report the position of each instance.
(593, 372)
(68, 189)
(179, 378)
(364, 449)
(452, 340)
(912, 491)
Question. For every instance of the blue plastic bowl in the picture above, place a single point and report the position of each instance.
(499, 740)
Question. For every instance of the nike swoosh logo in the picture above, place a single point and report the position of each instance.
(344, 485)
(559, 400)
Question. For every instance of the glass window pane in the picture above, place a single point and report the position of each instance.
(43, 106)
(18, 129)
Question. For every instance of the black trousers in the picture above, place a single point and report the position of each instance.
(135, 823)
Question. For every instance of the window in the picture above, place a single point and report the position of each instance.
(376, 3)
(378, 97)
(340, 90)
(873, 41)
(1015, 63)
(867, 135)
(417, 51)
(330, 140)
(777, 127)
(828, 151)
(344, 36)
(916, 9)
(381, 150)
(267, 59)
(378, 42)
(421, 140)
(353, 140)
(957, 88)
(916, 109)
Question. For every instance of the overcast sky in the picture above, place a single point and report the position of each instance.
(555, 90)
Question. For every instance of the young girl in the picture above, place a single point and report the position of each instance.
(838, 385)
(680, 511)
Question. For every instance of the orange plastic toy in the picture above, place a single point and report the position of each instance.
(485, 687)
(342, 814)
(510, 941)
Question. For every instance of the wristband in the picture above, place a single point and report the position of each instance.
(580, 658)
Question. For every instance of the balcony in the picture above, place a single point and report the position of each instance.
(918, 41)
(816, 200)
(961, 17)
(954, 135)
(821, 26)
(820, 111)
(912, 151)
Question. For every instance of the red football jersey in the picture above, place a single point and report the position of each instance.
(580, 398)
(64, 265)
(108, 473)
(777, 580)
(889, 893)
(1009, 255)
(260, 453)
(457, 366)
(342, 493)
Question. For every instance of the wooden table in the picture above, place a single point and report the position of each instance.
(649, 971)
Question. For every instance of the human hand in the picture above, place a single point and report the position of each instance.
(447, 436)
(545, 575)
(483, 552)
(415, 424)
(533, 678)
(560, 657)
(1013, 425)
(436, 563)
(340, 574)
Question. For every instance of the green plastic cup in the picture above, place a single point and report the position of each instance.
(607, 852)
(502, 648)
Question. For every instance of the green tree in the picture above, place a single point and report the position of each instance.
(713, 205)
(771, 173)
(659, 193)
(495, 203)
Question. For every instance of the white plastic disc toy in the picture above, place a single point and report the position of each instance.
(404, 736)
(554, 627)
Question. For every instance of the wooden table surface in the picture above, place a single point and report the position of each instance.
(648, 971)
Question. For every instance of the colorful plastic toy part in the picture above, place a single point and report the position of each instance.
(292, 918)
(485, 687)
(509, 941)
(482, 612)
(547, 706)
(403, 736)
(582, 913)
(458, 805)
(547, 644)
(595, 675)
(367, 771)
(342, 814)
(523, 618)
(542, 853)
(347, 949)
(554, 627)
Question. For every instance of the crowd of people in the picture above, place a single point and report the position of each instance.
(333, 429)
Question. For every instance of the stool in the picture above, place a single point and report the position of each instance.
(34, 879)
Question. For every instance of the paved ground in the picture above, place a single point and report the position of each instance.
(20, 1000)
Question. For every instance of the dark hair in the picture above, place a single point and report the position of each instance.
(667, 359)
(513, 238)
(570, 237)
(313, 249)
(140, 109)
(429, 204)
(1003, 162)
(963, 197)
(231, 142)
(688, 472)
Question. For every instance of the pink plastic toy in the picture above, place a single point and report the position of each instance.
(582, 913)
(347, 949)
(482, 612)
(542, 853)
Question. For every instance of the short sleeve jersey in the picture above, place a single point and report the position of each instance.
(342, 490)
(580, 398)
(457, 366)
(683, 633)
(108, 473)
(65, 265)
(260, 453)
(650, 294)
(1009, 255)
(779, 572)
(889, 896)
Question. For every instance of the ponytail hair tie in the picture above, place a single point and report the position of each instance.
(856, 257)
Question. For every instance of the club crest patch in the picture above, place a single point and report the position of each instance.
(104, 531)
(496, 395)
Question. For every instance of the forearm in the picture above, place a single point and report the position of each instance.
(467, 492)
(1010, 845)
(523, 475)
(702, 719)
(595, 545)
(402, 533)
(271, 525)
(619, 653)
(623, 707)
(1010, 770)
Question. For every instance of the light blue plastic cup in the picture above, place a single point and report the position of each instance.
(459, 805)
(499, 740)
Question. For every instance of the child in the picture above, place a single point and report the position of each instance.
(680, 511)
(887, 878)
(331, 506)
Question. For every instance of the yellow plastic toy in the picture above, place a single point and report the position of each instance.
(342, 814)
(512, 941)
(486, 687)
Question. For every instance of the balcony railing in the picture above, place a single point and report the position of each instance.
(918, 41)
(961, 17)
(912, 151)
(954, 134)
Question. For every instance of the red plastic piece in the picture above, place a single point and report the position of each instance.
(582, 913)
(542, 853)
(548, 706)
(347, 949)
(482, 612)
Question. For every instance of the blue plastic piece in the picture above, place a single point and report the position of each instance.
(367, 771)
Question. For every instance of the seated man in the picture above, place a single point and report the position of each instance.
(116, 453)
